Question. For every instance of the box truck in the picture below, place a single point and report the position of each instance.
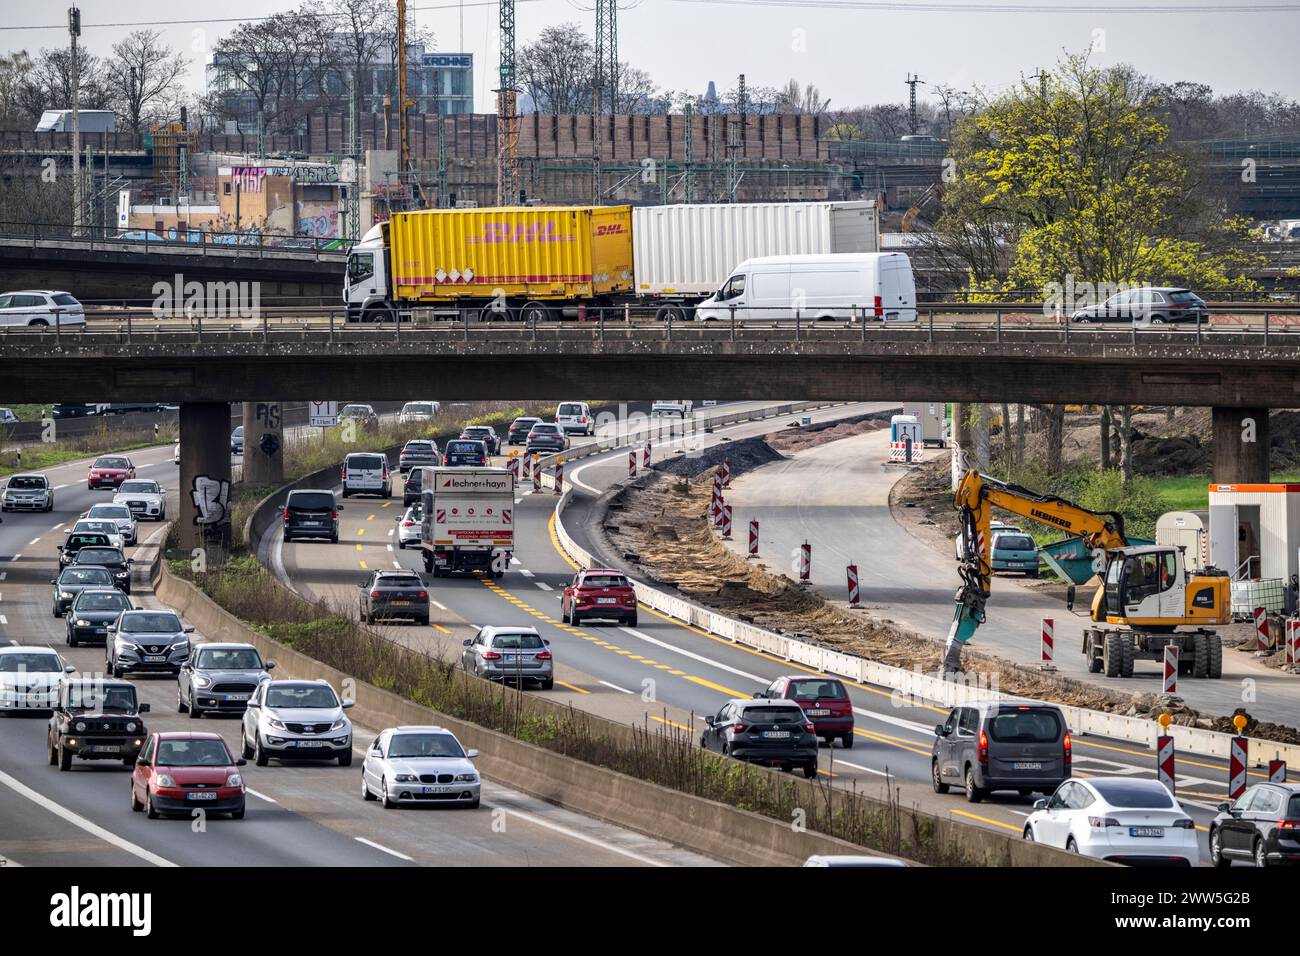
(535, 262)
(876, 285)
(467, 520)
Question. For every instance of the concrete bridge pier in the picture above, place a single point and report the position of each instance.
(204, 517)
(1241, 443)
(263, 443)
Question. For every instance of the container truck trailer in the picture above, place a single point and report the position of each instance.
(536, 262)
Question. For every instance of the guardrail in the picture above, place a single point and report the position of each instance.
(914, 684)
(198, 241)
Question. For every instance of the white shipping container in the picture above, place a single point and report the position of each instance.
(689, 250)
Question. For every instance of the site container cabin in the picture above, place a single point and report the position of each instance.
(1255, 530)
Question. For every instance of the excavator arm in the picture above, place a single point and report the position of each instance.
(976, 497)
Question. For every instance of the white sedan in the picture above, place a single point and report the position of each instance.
(419, 765)
(1119, 820)
(408, 528)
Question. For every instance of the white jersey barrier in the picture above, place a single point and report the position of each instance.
(914, 684)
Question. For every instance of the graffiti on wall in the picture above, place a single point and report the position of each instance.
(323, 224)
(248, 179)
(211, 497)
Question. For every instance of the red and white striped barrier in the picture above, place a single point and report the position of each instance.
(1165, 761)
(898, 452)
(715, 502)
(1261, 628)
(1277, 771)
(805, 563)
(1292, 641)
(726, 522)
(1049, 640)
(537, 477)
(753, 537)
(559, 478)
(631, 464)
(854, 593)
(645, 456)
(528, 466)
(725, 471)
(1171, 668)
(512, 465)
(1237, 752)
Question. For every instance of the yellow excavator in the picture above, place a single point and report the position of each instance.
(1145, 591)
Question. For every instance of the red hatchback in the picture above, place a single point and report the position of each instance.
(599, 593)
(109, 471)
(824, 701)
(178, 771)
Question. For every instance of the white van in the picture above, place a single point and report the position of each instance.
(820, 287)
(672, 406)
(365, 473)
(575, 417)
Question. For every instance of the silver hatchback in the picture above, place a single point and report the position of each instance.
(516, 655)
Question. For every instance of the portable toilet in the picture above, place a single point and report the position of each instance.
(933, 417)
(905, 439)
(1189, 530)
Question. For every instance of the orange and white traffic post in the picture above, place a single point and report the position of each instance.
(1048, 641)
(631, 464)
(1171, 668)
(1237, 754)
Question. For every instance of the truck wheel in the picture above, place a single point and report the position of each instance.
(535, 312)
(1112, 655)
(1130, 652)
(1214, 670)
(1200, 655)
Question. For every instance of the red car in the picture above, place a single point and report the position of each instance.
(109, 471)
(178, 771)
(599, 593)
(824, 701)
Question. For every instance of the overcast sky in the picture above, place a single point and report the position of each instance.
(854, 56)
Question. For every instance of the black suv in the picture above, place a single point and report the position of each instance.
(393, 594)
(96, 720)
(775, 733)
(311, 514)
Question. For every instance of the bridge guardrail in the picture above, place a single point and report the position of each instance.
(95, 236)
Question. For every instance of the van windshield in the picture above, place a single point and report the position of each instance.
(1030, 725)
(570, 408)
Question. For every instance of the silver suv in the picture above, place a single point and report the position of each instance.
(147, 641)
(297, 718)
(510, 654)
(220, 678)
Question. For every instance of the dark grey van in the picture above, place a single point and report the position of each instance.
(311, 514)
(1020, 745)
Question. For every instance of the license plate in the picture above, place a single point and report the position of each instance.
(154, 658)
(512, 658)
(818, 712)
(309, 743)
(606, 600)
(201, 795)
(776, 734)
(1146, 831)
(311, 524)
(236, 697)
(400, 603)
(105, 749)
(435, 789)
(1026, 766)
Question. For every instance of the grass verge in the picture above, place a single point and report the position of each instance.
(102, 441)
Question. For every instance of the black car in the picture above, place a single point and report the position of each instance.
(1262, 826)
(394, 594)
(118, 564)
(775, 733)
(1155, 305)
(547, 437)
(484, 433)
(463, 452)
(96, 719)
(311, 514)
(413, 487)
(72, 581)
(70, 548)
(519, 429)
(92, 612)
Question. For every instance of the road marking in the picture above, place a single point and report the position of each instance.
(361, 531)
(594, 841)
(693, 656)
(364, 567)
(76, 820)
(59, 487)
(390, 532)
(858, 766)
(370, 517)
(57, 526)
(672, 723)
(441, 607)
(622, 690)
(14, 559)
(397, 565)
(3, 575)
(525, 572)
(441, 628)
(996, 823)
(544, 586)
(386, 504)
(389, 547)
(572, 687)
(4, 620)
(718, 687)
(383, 849)
(260, 796)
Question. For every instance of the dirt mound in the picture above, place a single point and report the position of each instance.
(1172, 456)
(744, 455)
(807, 436)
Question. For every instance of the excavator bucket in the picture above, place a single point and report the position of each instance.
(967, 616)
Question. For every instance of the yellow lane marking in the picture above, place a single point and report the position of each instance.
(572, 687)
(370, 517)
(672, 723)
(363, 566)
(712, 686)
(358, 547)
(361, 531)
(901, 740)
(386, 504)
(889, 743)
(441, 628)
(996, 823)
(677, 673)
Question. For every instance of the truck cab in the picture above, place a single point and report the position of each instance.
(365, 283)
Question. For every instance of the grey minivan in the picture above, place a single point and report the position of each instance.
(1020, 745)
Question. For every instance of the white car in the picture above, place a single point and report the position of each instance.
(41, 309)
(120, 514)
(143, 497)
(176, 454)
(30, 677)
(289, 719)
(408, 528)
(1118, 820)
(418, 412)
(419, 765)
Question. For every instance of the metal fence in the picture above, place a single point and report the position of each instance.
(201, 241)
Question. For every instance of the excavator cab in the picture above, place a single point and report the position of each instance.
(1144, 586)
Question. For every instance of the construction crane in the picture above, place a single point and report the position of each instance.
(507, 116)
(932, 192)
(1145, 591)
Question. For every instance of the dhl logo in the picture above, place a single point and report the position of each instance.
(610, 229)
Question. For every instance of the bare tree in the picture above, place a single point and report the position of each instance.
(556, 70)
(14, 68)
(142, 73)
(48, 85)
(807, 100)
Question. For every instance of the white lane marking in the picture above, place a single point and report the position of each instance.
(260, 796)
(514, 560)
(277, 563)
(525, 572)
(34, 541)
(57, 526)
(693, 656)
(4, 620)
(858, 766)
(398, 565)
(77, 820)
(390, 534)
(59, 487)
(14, 558)
(440, 607)
(389, 547)
(927, 732)
(383, 849)
(3, 575)
(544, 586)
(574, 834)
(622, 690)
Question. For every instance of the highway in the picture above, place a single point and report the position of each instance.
(836, 497)
(308, 814)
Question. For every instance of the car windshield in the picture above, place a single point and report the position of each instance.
(139, 488)
(311, 500)
(110, 511)
(117, 699)
(85, 576)
(193, 753)
(1013, 542)
(30, 662)
(355, 411)
(99, 556)
(76, 541)
(424, 745)
(1133, 795)
(311, 696)
(228, 659)
(151, 621)
(818, 688)
(525, 641)
(773, 714)
(366, 462)
(1025, 725)
(109, 463)
(27, 483)
(604, 581)
(117, 601)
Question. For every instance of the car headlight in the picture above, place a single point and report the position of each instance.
(405, 778)
(338, 724)
(130, 728)
(65, 594)
(80, 623)
(466, 777)
(80, 726)
(278, 725)
(202, 682)
(164, 780)
(234, 780)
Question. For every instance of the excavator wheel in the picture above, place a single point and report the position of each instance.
(1129, 652)
(1215, 668)
(1113, 655)
(1200, 655)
